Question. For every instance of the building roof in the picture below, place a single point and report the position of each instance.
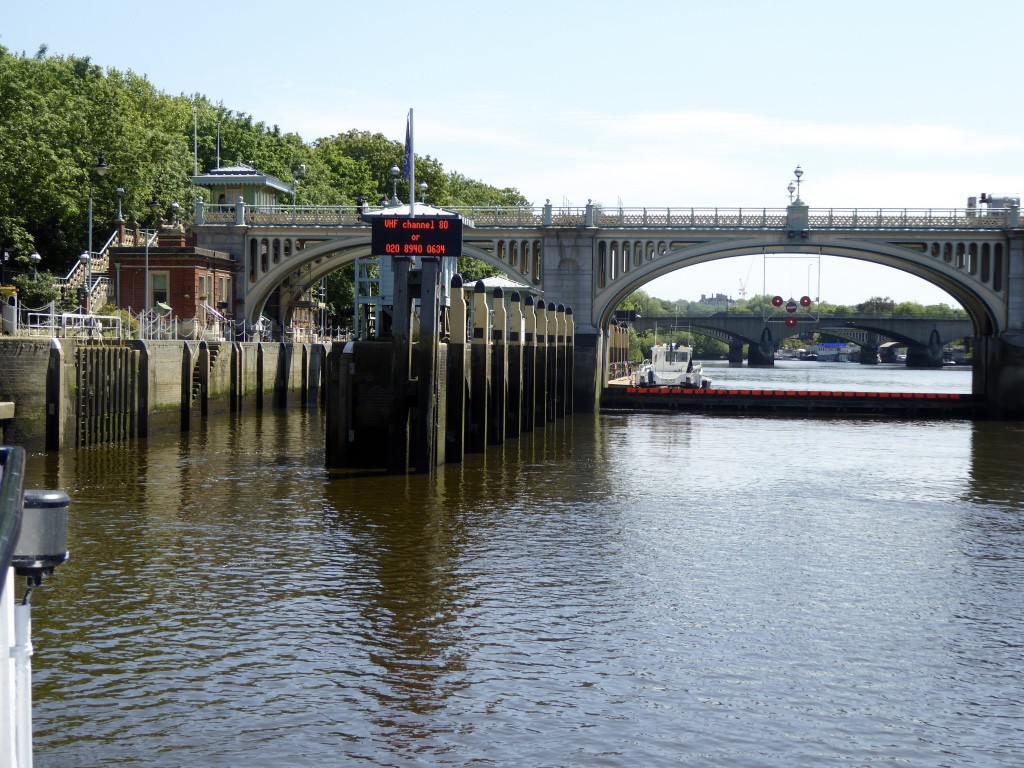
(240, 175)
(419, 209)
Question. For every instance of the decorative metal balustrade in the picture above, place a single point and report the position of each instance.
(535, 217)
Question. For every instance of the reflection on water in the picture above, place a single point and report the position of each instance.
(624, 590)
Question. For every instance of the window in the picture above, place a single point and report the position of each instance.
(206, 287)
(158, 288)
(223, 292)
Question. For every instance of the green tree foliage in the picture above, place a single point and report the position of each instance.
(58, 114)
(761, 306)
(708, 348)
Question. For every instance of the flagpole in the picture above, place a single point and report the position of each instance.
(411, 155)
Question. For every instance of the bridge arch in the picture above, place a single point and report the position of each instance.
(944, 262)
(294, 265)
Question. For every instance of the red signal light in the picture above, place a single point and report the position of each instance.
(805, 301)
(776, 301)
(790, 322)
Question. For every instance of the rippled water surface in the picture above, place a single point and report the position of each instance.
(627, 590)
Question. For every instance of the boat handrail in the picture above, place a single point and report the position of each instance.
(12, 474)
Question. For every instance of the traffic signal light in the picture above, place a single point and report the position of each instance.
(776, 301)
(790, 322)
(805, 301)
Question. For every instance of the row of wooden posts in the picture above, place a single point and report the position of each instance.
(510, 373)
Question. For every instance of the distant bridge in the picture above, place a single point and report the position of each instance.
(923, 337)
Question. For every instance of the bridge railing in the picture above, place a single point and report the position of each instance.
(912, 218)
(521, 216)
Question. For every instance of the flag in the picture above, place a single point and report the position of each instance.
(407, 164)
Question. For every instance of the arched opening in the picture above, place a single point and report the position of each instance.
(862, 283)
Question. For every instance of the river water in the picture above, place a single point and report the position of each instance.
(620, 590)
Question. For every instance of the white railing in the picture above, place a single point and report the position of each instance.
(148, 325)
(66, 325)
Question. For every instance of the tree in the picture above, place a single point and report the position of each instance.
(58, 114)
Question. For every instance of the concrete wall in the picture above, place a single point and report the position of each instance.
(177, 384)
(24, 365)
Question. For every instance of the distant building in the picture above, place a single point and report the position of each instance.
(718, 300)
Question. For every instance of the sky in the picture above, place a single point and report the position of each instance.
(666, 103)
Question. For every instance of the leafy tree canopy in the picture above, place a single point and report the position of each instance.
(58, 114)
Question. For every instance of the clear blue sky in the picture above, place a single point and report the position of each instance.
(666, 103)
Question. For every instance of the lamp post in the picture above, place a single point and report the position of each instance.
(85, 259)
(120, 194)
(4, 256)
(791, 188)
(798, 173)
(395, 171)
(35, 258)
(154, 205)
(423, 192)
(101, 169)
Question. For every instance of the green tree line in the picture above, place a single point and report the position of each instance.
(758, 305)
(59, 114)
(707, 348)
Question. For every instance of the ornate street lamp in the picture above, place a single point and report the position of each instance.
(35, 258)
(798, 173)
(423, 192)
(395, 172)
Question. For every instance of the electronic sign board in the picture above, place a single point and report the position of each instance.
(416, 235)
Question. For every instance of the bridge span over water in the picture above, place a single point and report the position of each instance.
(924, 338)
(591, 258)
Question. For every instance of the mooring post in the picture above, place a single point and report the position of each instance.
(458, 368)
(561, 354)
(401, 348)
(425, 445)
(553, 333)
(529, 364)
(479, 371)
(570, 358)
(514, 404)
(540, 394)
(499, 371)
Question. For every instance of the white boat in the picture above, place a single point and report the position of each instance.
(671, 365)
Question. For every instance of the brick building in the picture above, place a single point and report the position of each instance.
(193, 282)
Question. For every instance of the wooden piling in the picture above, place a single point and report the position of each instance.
(426, 446)
(552, 367)
(560, 362)
(541, 389)
(457, 378)
(529, 363)
(570, 358)
(479, 371)
(514, 347)
(496, 405)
